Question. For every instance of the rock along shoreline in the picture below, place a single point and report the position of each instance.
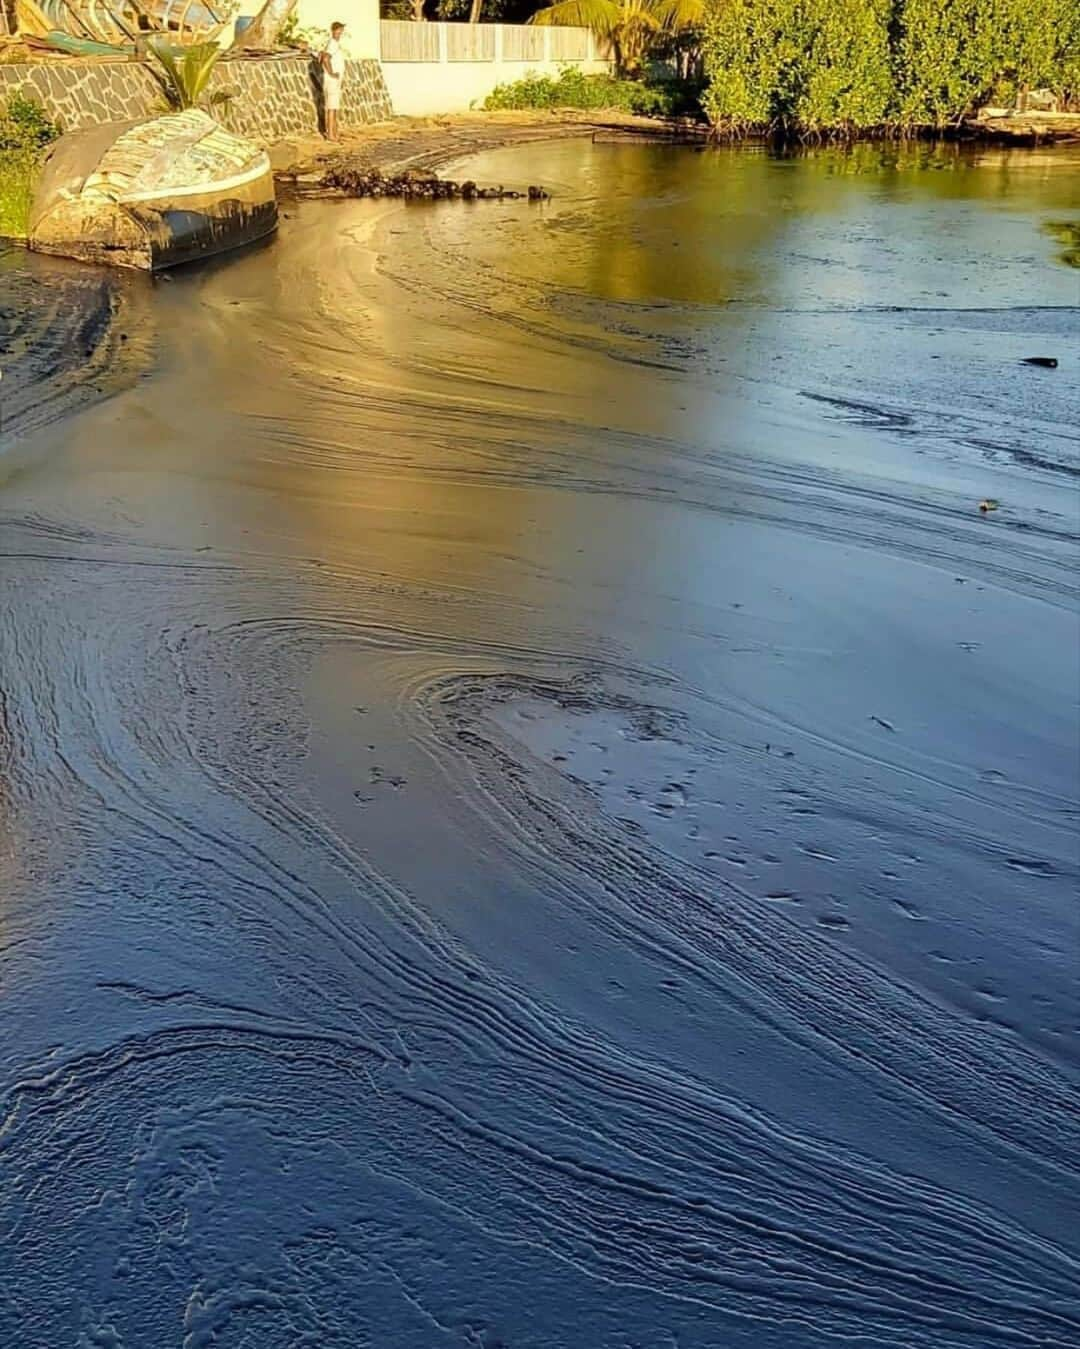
(400, 158)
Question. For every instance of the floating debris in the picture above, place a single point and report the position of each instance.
(988, 504)
(352, 181)
(1046, 362)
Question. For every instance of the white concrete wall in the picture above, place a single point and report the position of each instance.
(433, 68)
(465, 62)
(360, 17)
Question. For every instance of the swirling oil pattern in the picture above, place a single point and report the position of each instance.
(536, 809)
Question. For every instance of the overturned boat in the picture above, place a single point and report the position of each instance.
(152, 194)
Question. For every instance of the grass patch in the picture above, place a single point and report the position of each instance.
(18, 174)
(571, 88)
(25, 131)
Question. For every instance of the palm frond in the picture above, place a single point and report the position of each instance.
(186, 70)
(602, 16)
(678, 15)
(199, 62)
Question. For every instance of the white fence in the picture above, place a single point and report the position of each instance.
(451, 67)
(405, 43)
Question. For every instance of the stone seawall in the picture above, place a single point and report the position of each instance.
(271, 98)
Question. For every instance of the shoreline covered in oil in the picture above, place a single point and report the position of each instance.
(536, 811)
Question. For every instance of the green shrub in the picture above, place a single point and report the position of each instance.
(25, 131)
(748, 49)
(293, 33)
(25, 125)
(574, 89)
(809, 64)
(951, 58)
(845, 65)
(944, 58)
(844, 72)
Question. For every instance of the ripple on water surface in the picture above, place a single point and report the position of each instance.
(536, 810)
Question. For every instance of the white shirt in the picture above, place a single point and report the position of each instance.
(336, 57)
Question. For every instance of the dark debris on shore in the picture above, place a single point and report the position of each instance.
(351, 180)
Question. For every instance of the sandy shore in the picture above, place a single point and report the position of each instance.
(429, 142)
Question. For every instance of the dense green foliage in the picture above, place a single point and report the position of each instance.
(845, 65)
(24, 125)
(17, 174)
(25, 131)
(572, 89)
(951, 57)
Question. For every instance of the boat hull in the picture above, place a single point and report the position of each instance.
(184, 228)
(152, 196)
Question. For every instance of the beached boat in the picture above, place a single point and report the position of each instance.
(153, 194)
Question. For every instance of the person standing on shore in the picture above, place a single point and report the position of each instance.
(332, 60)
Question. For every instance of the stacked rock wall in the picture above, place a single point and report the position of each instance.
(270, 99)
(275, 98)
(77, 94)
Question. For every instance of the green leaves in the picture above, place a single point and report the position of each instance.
(630, 25)
(185, 71)
(602, 16)
(751, 50)
(574, 89)
(815, 65)
(951, 58)
(25, 131)
(847, 65)
(24, 124)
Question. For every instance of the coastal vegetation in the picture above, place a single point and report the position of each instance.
(809, 68)
(25, 131)
(633, 27)
(842, 67)
(571, 88)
